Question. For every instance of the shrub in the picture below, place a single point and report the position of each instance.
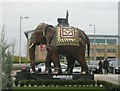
(32, 82)
(91, 82)
(38, 82)
(52, 82)
(70, 82)
(77, 82)
(100, 82)
(115, 87)
(107, 85)
(22, 83)
(73, 82)
(27, 82)
(16, 82)
(45, 82)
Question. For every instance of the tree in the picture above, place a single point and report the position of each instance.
(0, 66)
(7, 62)
(7, 81)
(12, 49)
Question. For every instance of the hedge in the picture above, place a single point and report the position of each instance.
(107, 85)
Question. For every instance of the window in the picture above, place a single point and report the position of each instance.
(91, 50)
(100, 58)
(111, 41)
(111, 50)
(97, 41)
(91, 41)
(100, 41)
(100, 50)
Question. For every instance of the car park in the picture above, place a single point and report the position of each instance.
(93, 66)
(27, 67)
(114, 67)
(41, 68)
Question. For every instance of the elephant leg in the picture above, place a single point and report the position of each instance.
(84, 67)
(57, 67)
(70, 65)
(55, 59)
(48, 64)
(53, 56)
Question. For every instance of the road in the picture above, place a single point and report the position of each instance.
(114, 78)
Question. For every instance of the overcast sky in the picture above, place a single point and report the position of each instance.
(81, 14)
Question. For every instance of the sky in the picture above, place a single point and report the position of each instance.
(104, 15)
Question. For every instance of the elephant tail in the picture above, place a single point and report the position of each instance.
(88, 46)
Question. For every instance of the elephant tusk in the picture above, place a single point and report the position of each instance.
(31, 45)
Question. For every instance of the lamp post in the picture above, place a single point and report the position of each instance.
(21, 17)
(94, 42)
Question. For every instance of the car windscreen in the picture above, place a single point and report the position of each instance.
(92, 63)
(41, 64)
(115, 64)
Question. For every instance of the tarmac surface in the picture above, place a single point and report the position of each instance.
(114, 78)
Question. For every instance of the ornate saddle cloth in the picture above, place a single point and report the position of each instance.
(66, 36)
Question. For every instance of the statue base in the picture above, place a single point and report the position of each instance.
(41, 76)
(62, 76)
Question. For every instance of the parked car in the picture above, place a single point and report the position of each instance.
(114, 67)
(76, 64)
(41, 68)
(27, 67)
(93, 66)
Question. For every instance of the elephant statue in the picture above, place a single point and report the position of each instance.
(46, 34)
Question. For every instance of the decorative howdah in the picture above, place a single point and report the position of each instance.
(67, 36)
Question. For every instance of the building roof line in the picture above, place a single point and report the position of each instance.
(102, 35)
(90, 35)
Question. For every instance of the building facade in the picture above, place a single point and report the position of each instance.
(101, 46)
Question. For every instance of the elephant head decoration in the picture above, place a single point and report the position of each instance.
(48, 35)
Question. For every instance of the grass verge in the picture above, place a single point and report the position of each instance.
(65, 88)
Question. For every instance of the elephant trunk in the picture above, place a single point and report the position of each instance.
(32, 55)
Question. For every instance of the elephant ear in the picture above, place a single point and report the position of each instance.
(81, 36)
(49, 33)
(49, 30)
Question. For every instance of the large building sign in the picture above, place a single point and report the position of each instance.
(67, 77)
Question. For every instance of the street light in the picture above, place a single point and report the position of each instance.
(21, 17)
(94, 42)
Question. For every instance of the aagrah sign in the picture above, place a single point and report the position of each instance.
(62, 77)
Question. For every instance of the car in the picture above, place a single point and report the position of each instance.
(77, 67)
(27, 67)
(114, 67)
(77, 64)
(93, 66)
(41, 68)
